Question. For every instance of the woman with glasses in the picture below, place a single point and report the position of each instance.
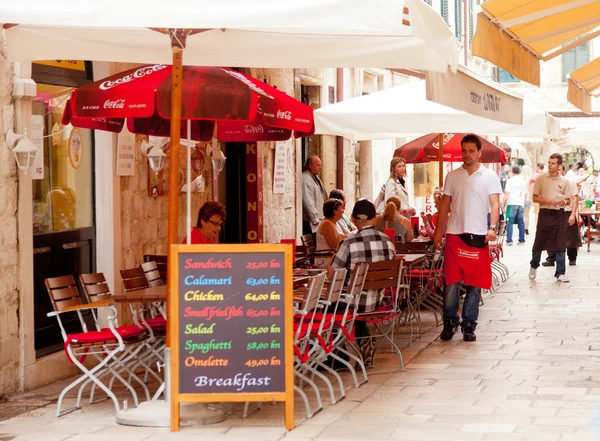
(210, 220)
(329, 232)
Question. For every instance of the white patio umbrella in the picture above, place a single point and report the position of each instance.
(405, 111)
(265, 33)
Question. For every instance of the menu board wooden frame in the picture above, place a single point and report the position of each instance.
(287, 396)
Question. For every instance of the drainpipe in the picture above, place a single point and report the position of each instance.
(339, 140)
(466, 31)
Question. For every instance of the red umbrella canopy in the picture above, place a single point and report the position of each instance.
(426, 148)
(245, 108)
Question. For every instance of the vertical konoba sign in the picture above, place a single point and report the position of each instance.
(231, 324)
(254, 194)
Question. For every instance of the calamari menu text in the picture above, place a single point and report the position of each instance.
(231, 323)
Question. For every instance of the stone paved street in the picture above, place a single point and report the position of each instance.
(533, 374)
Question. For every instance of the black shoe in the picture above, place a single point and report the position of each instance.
(448, 332)
(468, 330)
(547, 263)
(526, 232)
(572, 262)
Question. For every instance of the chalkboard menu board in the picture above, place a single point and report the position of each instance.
(232, 320)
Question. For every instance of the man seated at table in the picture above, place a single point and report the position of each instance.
(365, 245)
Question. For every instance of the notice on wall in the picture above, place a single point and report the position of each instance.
(279, 174)
(37, 134)
(231, 325)
(125, 153)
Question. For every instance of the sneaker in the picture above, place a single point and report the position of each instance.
(572, 262)
(509, 244)
(562, 279)
(520, 243)
(532, 273)
(548, 263)
(448, 332)
(468, 330)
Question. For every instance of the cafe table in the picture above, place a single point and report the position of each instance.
(412, 259)
(157, 412)
(590, 233)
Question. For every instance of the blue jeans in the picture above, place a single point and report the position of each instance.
(470, 311)
(536, 256)
(516, 212)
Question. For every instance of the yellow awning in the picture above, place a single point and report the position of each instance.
(517, 34)
(583, 84)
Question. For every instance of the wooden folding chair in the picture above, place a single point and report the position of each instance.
(161, 264)
(385, 275)
(111, 346)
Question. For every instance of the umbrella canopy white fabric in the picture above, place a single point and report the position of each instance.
(263, 33)
(405, 111)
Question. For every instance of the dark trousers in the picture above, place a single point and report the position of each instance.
(571, 254)
(536, 256)
(306, 229)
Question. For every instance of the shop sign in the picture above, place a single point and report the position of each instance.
(470, 93)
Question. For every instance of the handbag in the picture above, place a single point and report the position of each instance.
(379, 200)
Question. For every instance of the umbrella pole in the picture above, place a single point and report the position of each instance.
(173, 217)
(441, 160)
(188, 223)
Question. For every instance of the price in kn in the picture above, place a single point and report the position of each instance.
(274, 329)
(259, 297)
(274, 361)
(255, 346)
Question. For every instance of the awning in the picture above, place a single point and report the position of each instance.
(467, 91)
(584, 83)
(517, 34)
(268, 33)
(404, 111)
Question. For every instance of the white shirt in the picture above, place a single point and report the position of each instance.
(470, 199)
(571, 175)
(517, 189)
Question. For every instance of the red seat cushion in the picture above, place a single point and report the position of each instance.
(126, 331)
(90, 337)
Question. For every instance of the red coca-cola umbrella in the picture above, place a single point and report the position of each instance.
(426, 149)
(244, 108)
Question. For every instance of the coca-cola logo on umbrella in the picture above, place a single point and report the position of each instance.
(253, 129)
(116, 104)
(284, 114)
(141, 72)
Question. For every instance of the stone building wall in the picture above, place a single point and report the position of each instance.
(9, 292)
(144, 218)
(279, 216)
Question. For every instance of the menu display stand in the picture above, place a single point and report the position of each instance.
(231, 325)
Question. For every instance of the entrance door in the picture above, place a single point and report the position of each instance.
(63, 205)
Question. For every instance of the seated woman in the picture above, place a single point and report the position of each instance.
(329, 232)
(392, 218)
(345, 223)
(430, 221)
(210, 220)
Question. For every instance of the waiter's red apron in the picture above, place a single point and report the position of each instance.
(466, 263)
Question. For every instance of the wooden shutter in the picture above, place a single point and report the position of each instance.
(444, 11)
(575, 58)
(458, 18)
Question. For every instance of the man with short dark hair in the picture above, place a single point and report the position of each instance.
(515, 196)
(471, 192)
(313, 195)
(365, 245)
(553, 192)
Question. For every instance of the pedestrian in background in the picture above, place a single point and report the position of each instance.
(515, 196)
(553, 192)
